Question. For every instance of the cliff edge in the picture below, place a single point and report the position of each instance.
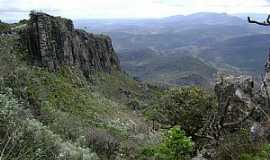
(53, 41)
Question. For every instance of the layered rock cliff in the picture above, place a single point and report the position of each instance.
(53, 41)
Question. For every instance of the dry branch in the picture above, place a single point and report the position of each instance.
(264, 23)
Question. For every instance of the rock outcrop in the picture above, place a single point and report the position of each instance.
(53, 41)
(241, 104)
(236, 99)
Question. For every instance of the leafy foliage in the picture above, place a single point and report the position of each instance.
(186, 107)
(239, 145)
(262, 154)
(4, 27)
(23, 137)
(175, 146)
(67, 105)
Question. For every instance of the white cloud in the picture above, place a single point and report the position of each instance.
(13, 9)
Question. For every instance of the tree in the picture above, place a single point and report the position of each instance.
(186, 106)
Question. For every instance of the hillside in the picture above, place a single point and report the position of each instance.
(247, 53)
(63, 95)
(172, 69)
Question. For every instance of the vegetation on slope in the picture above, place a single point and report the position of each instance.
(169, 69)
(23, 137)
(175, 145)
(185, 107)
(79, 111)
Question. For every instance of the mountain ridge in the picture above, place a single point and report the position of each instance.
(200, 35)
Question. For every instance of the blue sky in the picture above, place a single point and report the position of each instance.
(83, 9)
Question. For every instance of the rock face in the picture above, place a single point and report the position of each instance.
(265, 87)
(235, 97)
(53, 41)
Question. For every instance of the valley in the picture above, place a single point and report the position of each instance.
(217, 42)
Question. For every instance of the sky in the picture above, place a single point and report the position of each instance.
(89, 9)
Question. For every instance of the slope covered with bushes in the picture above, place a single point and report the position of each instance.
(71, 115)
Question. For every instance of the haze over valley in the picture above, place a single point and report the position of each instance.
(188, 49)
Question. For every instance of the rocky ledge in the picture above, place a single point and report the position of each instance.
(53, 41)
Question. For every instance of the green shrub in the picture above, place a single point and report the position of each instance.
(103, 143)
(186, 106)
(175, 146)
(134, 104)
(23, 137)
(240, 146)
(4, 27)
(263, 154)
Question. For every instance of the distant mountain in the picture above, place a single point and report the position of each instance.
(247, 53)
(201, 35)
(175, 18)
(258, 16)
(208, 18)
(227, 42)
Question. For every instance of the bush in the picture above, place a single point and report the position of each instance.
(175, 146)
(4, 27)
(240, 146)
(23, 137)
(134, 104)
(103, 143)
(263, 154)
(187, 107)
(19, 135)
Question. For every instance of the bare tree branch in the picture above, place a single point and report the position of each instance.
(242, 120)
(268, 19)
(265, 23)
(204, 136)
(263, 111)
(226, 106)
